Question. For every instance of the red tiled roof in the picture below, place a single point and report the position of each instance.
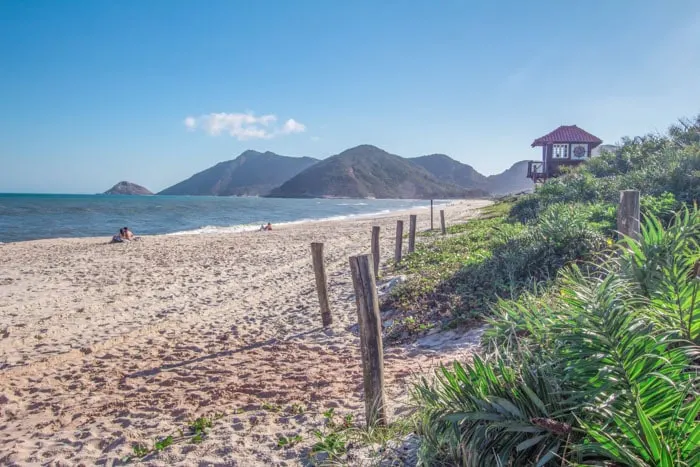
(567, 134)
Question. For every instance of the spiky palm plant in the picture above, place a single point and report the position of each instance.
(664, 266)
(605, 375)
(494, 412)
(636, 385)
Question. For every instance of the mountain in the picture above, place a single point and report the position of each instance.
(250, 174)
(127, 188)
(604, 148)
(512, 180)
(446, 169)
(368, 172)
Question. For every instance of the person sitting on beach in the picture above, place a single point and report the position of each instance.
(129, 235)
(262, 227)
(268, 226)
(119, 237)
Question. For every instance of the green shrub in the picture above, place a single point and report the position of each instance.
(662, 206)
(462, 276)
(523, 258)
(428, 294)
(527, 208)
(664, 268)
(600, 370)
(495, 412)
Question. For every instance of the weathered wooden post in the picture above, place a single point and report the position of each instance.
(628, 214)
(375, 250)
(399, 241)
(321, 283)
(431, 214)
(442, 222)
(412, 233)
(370, 325)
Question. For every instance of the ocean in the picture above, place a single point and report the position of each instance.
(32, 217)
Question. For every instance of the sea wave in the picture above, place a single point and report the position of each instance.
(214, 229)
(217, 229)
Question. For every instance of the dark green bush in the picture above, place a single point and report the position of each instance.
(600, 372)
(662, 207)
(521, 259)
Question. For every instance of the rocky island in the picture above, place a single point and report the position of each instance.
(128, 188)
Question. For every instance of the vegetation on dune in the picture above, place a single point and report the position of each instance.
(339, 434)
(458, 279)
(601, 369)
(195, 433)
(592, 350)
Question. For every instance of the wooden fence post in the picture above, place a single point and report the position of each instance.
(628, 214)
(442, 221)
(399, 241)
(431, 214)
(370, 325)
(375, 250)
(412, 233)
(321, 283)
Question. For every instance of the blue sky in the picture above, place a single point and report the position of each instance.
(93, 92)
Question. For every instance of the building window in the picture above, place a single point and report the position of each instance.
(560, 151)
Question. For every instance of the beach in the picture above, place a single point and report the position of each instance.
(103, 346)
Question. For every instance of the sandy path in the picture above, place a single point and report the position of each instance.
(103, 346)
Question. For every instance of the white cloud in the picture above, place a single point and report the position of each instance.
(190, 123)
(292, 126)
(243, 126)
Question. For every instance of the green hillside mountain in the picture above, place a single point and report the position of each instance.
(251, 174)
(444, 168)
(368, 172)
(448, 170)
(512, 180)
(604, 148)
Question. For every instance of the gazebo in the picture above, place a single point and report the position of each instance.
(568, 145)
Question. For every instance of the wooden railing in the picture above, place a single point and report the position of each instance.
(535, 171)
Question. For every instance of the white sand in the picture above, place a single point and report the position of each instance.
(106, 345)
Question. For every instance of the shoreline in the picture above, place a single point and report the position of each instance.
(105, 346)
(245, 228)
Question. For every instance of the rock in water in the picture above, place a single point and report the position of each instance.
(128, 188)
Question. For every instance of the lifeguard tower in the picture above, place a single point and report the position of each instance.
(565, 146)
